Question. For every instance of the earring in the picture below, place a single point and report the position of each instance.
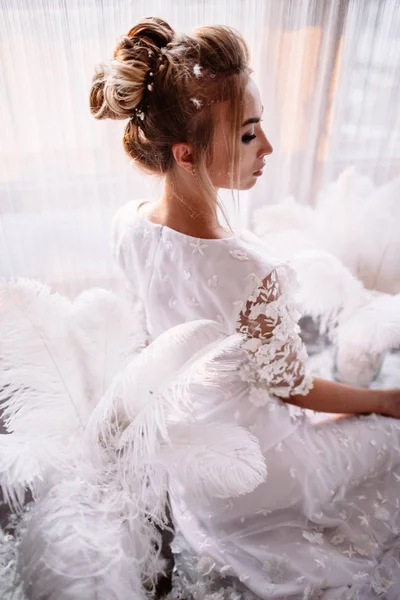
(193, 172)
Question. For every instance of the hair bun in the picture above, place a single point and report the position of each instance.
(118, 88)
(153, 31)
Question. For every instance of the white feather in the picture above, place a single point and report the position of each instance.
(105, 473)
(20, 467)
(139, 396)
(219, 460)
(288, 218)
(326, 287)
(358, 221)
(56, 358)
(375, 327)
(74, 544)
(353, 220)
(133, 418)
(137, 430)
(42, 386)
(108, 331)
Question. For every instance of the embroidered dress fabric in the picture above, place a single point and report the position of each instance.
(325, 523)
(269, 322)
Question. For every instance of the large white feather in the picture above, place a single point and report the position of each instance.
(42, 385)
(112, 467)
(139, 393)
(56, 359)
(327, 287)
(108, 331)
(137, 429)
(133, 417)
(20, 467)
(219, 460)
(359, 221)
(374, 327)
(141, 405)
(353, 220)
(76, 545)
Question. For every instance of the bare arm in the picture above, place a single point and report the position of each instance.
(332, 397)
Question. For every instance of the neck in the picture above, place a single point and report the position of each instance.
(183, 202)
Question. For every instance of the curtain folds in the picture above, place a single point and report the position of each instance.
(328, 74)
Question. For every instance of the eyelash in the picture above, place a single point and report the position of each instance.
(246, 139)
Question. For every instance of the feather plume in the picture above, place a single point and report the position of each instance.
(353, 220)
(74, 544)
(139, 396)
(218, 460)
(107, 327)
(147, 435)
(375, 327)
(287, 216)
(326, 287)
(57, 357)
(42, 387)
(20, 467)
(358, 221)
(100, 471)
(364, 336)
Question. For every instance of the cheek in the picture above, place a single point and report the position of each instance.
(246, 161)
(219, 171)
(246, 153)
(220, 166)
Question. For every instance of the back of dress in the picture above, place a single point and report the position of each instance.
(236, 282)
(315, 528)
(179, 278)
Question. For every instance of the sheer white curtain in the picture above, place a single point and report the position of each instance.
(328, 73)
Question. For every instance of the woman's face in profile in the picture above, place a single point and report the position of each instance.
(254, 145)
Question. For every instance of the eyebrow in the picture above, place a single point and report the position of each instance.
(253, 119)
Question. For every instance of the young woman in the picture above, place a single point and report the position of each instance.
(326, 522)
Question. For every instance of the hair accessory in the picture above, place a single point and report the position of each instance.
(198, 103)
(139, 112)
(197, 70)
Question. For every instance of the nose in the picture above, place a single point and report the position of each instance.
(266, 148)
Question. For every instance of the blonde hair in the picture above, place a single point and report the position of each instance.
(167, 86)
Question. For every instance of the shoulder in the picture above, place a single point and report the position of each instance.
(125, 216)
(251, 255)
(269, 279)
(122, 224)
(123, 220)
(243, 266)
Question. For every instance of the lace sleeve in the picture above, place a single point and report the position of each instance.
(276, 352)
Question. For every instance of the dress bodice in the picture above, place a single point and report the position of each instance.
(179, 277)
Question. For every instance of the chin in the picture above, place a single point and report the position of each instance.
(243, 186)
(249, 184)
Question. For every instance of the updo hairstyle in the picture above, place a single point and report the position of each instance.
(167, 86)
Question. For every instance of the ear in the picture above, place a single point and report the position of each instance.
(183, 155)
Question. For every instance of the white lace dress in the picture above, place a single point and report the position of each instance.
(326, 521)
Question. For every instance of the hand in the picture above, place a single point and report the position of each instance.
(390, 405)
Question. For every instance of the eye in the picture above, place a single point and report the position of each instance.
(246, 139)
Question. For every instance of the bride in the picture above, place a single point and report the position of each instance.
(309, 510)
(325, 522)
